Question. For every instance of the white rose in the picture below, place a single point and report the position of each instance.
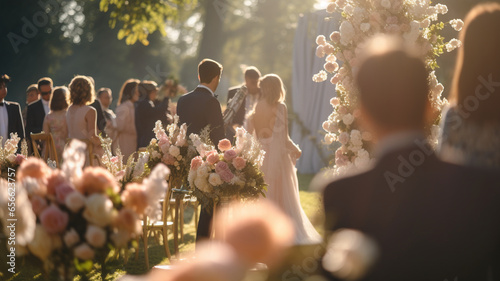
(174, 151)
(84, 252)
(346, 33)
(356, 138)
(214, 179)
(95, 236)
(344, 138)
(98, 210)
(71, 237)
(74, 201)
(348, 119)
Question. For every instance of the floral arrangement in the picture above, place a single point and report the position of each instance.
(9, 159)
(73, 217)
(172, 148)
(232, 172)
(414, 20)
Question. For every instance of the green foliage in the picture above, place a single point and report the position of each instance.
(138, 19)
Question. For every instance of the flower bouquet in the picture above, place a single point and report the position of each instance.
(9, 159)
(234, 172)
(416, 21)
(72, 218)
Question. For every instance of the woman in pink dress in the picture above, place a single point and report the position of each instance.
(269, 123)
(55, 122)
(125, 136)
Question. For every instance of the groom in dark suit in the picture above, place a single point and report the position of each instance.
(11, 120)
(38, 109)
(431, 220)
(199, 109)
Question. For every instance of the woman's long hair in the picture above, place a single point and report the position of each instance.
(128, 90)
(272, 89)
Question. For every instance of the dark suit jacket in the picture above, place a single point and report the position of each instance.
(35, 117)
(239, 117)
(146, 115)
(198, 109)
(438, 221)
(101, 121)
(15, 119)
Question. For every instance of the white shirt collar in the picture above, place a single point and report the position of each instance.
(397, 141)
(45, 102)
(203, 86)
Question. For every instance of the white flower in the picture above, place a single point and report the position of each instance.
(321, 40)
(320, 51)
(326, 125)
(156, 188)
(365, 27)
(457, 24)
(442, 9)
(75, 201)
(425, 23)
(155, 155)
(344, 138)
(331, 58)
(331, 67)
(349, 9)
(453, 44)
(386, 4)
(356, 138)
(98, 209)
(320, 77)
(329, 139)
(437, 91)
(174, 151)
(346, 33)
(348, 119)
(335, 79)
(214, 179)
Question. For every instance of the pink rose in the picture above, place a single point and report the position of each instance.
(97, 180)
(221, 167)
(229, 155)
(34, 168)
(135, 197)
(54, 220)
(196, 163)
(168, 159)
(224, 145)
(55, 179)
(226, 176)
(84, 252)
(239, 163)
(96, 236)
(62, 192)
(19, 159)
(38, 204)
(212, 157)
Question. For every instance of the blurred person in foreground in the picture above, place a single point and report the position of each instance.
(431, 220)
(471, 127)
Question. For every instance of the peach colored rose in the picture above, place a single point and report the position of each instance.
(34, 168)
(95, 236)
(74, 201)
(71, 237)
(38, 204)
(84, 252)
(127, 220)
(62, 191)
(98, 209)
(97, 180)
(54, 220)
(196, 163)
(135, 198)
(212, 157)
(229, 155)
(224, 145)
(239, 163)
(55, 179)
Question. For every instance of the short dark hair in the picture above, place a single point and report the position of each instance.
(252, 72)
(59, 99)
(393, 88)
(209, 69)
(44, 81)
(4, 79)
(103, 90)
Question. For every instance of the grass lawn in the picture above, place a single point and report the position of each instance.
(117, 267)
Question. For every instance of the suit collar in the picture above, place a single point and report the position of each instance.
(205, 88)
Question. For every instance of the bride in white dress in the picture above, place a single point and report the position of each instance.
(269, 123)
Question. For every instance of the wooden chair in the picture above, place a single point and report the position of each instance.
(163, 225)
(49, 150)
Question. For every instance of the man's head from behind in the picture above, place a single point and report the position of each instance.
(252, 76)
(209, 72)
(393, 87)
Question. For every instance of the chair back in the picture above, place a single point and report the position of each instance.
(90, 150)
(48, 147)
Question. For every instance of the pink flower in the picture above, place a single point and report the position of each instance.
(335, 37)
(212, 157)
(334, 101)
(196, 163)
(97, 180)
(34, 168)
(226, 176)
(221, 167)
(55, 179)
(19, 159)
(75, 201)
(224, 145)
(96, 236)
(239, 163)
(84, 252)
(168, 159)
(229, 155)
(38, 204)
(62, 192)
(54, 220)
(163, 140)
(135, 197)
(114, 159)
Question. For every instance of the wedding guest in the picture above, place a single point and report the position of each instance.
(101, 121)
(126, 138)
(431, 220)
(80, 117)
(148, 111)
(11, 120)
(105, 96)
(199, 109)
(37, 110)
(55, 121)
(471, 127)
(32, 95)
(252, 76)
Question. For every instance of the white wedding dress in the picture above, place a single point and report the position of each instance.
(280, 175)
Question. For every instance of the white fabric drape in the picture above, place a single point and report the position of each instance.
(311, 100)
